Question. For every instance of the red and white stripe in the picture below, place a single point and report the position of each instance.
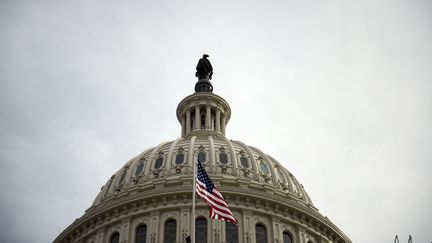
(218, 207)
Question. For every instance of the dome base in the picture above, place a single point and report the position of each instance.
(203, 85)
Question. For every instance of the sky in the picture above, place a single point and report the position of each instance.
(339, 92)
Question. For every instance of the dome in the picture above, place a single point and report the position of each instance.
(230, 163)
(152, 193)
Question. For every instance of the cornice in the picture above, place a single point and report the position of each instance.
(131, 204)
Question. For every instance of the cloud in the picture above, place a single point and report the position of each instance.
(336, 91)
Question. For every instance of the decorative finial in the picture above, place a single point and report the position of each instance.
(204, 72)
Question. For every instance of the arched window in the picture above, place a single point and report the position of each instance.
(139, 168)
(287, 237)
(260, 233)
(158, 163)
(179, 158)
(201, 230)
(141, 234)
(170, 231)
(115, 237)
(231, 232)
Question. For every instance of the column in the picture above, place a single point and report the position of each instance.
(124, 234)
(218, 121)
(223, 124)
(277, 234)
(188, 121)
(207, 119)
(99, 238)
(154, 229)
(185, 223)
(197, 118)
(183, 125)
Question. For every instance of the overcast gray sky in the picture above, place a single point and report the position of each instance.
(337, 91)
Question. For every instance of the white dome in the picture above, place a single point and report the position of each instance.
(155, 187)
(225, 160)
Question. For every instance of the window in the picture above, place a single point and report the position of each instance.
(179, 158)
(281, 177)
(264, 168)
(170, 231)
(287, 237)
(122, 178)
(141, 234)
(260, 233)
(201, 230)
(244, 162)
(231, 232)
(201, 156)
(109, 185)
(202, 121)
(223, 158)
(158, 163)
(115, 237)
(139, 168)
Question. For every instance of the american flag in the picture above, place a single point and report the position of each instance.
(207, 191)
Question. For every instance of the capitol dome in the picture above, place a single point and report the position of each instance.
(149, 199)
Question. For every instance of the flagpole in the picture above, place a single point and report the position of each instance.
(193, 203)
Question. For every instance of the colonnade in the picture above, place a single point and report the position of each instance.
(199, 117)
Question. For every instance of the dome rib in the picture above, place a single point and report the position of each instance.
(170, 155)
(232, 155)
(191, 151)
(212, 154)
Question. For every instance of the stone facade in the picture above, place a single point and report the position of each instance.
(156, 186)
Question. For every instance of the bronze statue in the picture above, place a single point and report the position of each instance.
(204, 69)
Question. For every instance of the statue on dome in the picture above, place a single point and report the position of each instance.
(204, 69)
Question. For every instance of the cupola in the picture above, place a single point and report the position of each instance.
(203, 111)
